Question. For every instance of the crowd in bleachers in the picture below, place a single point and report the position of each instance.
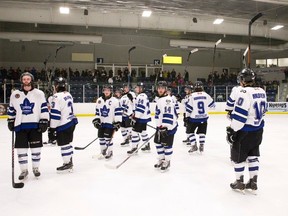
(90, 78)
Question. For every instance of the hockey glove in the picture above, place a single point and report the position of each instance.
(163, 131)
(52, 134)
(130, 97)
(231, 135)
(43, 125)
(11, 124)
(116, 125)
(97, 123)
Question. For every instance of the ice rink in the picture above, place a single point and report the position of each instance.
(195, 184)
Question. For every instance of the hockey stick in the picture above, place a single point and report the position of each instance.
(129, 63)
(50, 74)
(214, 53)
(243, 57)
(192, 51)
(119, 165)
(82, 148)
(14, 184)
(189, 54)
(151, 126)
(249, 36)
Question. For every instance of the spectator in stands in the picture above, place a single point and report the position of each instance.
(286, 73)
(173, 74)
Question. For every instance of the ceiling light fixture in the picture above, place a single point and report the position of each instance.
(277, 27)
(218, 21)
(64, 10)
(146, 13)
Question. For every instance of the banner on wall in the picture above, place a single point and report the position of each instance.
(277, 106)
(3, 109)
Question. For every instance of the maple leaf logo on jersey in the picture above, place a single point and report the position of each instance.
(27, 107)
(104, 111)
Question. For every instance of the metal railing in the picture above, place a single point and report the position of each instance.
(89, 92)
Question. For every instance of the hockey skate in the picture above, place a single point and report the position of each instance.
(50, 143)
(165, 165)
(102, 155)
(146, 148)
(185, 141)
(194, 148)
(159, 164)
(238, 185)
(66, 167)
(23, 174)
(201, 148)
(109, 155)
(252, 184)
(130, 152)
(36, 172)
(125, 143)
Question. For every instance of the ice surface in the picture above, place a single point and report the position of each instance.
(195, 184)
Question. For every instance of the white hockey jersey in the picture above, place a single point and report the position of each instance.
(174, 99)
(27, 109)
(166, 114)
(127, 105)
(61, 113)
(197, 106)
(231, 99)
(184, 103)
(108, 111)
(142, 108)
(250, 107)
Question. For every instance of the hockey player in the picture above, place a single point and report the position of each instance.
(197, 114)
(246, 130)
(174, 99)
(231, 99)
(108, 112)
(166, 124)
(118, 93)
(140, 118)
(51, 137)
(188, 91)
(28, 117)
(127, 104)
(63, 122)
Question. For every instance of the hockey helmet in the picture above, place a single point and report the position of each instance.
(26, 74)
(198, 86)
(162, 84)
(141, 85)
(247, 75)
(189, 87)
(108, 86)
(60, 82)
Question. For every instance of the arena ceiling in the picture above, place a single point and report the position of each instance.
(174, 19)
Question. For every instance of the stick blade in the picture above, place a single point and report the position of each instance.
(79, 148)
(18, 185)
(109, 166)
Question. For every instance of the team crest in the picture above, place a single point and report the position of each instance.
(104, 111)
(27, 107)
(17, 96)
(168, 101)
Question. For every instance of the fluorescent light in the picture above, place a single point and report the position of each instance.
(277, 27)
(146, 13)
(218, 21)
(64, 10)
